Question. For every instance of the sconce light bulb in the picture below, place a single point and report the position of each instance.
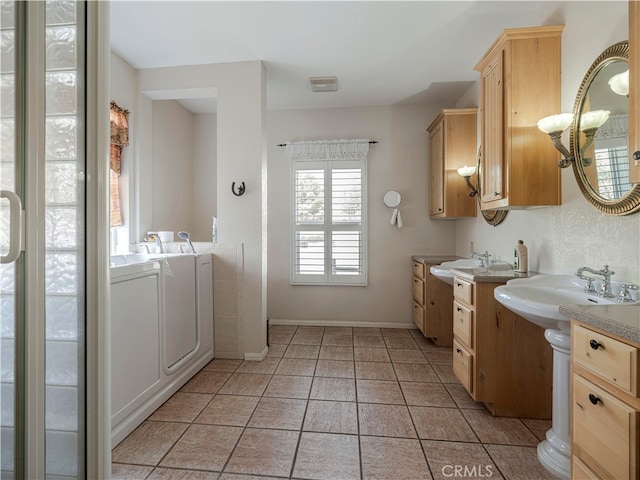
(555, 123)
(593, 119)
(620, 83)
(466, 171)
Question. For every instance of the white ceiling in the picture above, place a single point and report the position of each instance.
(383, 52)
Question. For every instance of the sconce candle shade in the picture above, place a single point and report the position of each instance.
(593, 119)
(555, 123)
(620, 83)
(466, 171)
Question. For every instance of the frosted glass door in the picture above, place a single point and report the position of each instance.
(43, 293)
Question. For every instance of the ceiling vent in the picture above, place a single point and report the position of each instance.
(324, 84)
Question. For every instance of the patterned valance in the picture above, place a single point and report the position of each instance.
(327, 150)
(119, 139)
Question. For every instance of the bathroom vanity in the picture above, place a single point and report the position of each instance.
(161, 332)
(605, 391)
(500, 358)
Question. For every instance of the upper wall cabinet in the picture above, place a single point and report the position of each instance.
(520, 82)
(453, 145)
(634, 89)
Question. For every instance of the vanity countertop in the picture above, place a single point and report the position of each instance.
(433, 259)
(485, 275)
(620, 320)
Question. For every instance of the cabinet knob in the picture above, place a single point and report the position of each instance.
(459, 284)
(458, 350)
(458, 309)
(595, 344)
(593, 399)
(636, 155)
(496, 194)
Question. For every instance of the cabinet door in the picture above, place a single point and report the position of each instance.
(492, 132)
(437, 170)
(634, 89)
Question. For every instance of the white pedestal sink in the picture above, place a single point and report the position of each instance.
(537, 299)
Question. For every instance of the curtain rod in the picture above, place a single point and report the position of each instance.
(284, 144)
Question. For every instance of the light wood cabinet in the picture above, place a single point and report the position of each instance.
(432, 305)
(605, 407)
(500, 358)
(453, 145)
(520, 84)
(634, 89)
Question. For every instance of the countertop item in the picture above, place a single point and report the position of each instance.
(431, 259)
(620, 320)
(492, 273)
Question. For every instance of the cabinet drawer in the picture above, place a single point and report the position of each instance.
(579, 471)
(418, 290)
(463, 290)
(605, 428)
(463, 366)
(463, 324)
(419, 269)
(418, 316)
(614, 361)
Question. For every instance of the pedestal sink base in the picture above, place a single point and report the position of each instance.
(555, 452)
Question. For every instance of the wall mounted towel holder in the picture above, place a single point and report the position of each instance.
(241, 189)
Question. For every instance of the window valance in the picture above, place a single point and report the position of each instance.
(327, 150)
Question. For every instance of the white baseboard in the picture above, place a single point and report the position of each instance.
(339, 323)
(256, 357)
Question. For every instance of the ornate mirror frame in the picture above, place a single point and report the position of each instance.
(492, 217)
(629, 202)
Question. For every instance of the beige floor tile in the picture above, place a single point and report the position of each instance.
(369, 341)
(407, 343)
(338, 331)
(206, 381)
(371, 354)
(231, 410)
(306, 339)
(415, 372)
(406, 356)
(427, 394)
(288, 386)
(223, 365)
(329, 352)
(379, 391)
(310, 330)
(276, 350)
(385, 420)
(502, 430)
(439, 356)
(302, 351)
(280, 413)
(395, 332)
(462, 397)
(518, 462)
(445, 373)
(121, 471)
(296, 366)
(338, 389)
(375, 371)
(337, 340)
(264, 452)
(331, 417)
(327, 456)
(393, 458)
(538, 427)
(268, 365)
(148, 443)
(203, 447)
(239, 476)
(182, 407)
(366, 331)
(450, 459)
(162, 473)
(284, 338)
(335, 368)
(434, 423)
(252, 384)
(282, 329)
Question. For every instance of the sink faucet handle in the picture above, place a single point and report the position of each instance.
(625, 292)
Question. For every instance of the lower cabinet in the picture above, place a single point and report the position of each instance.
(605, 408)
(432, 304)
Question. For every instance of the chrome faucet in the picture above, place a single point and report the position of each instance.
(605, 289)
(154, 237)
(484, 257)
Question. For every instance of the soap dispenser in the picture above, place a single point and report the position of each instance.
(520, 260)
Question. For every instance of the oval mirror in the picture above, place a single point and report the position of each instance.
(600, 134)
(392, 199)
(492, 217)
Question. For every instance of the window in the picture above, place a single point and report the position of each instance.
(329, 228)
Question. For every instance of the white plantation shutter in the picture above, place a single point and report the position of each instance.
(329, 227)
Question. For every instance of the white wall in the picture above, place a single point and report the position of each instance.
(204, 176)
(561, 239)
(398, 162)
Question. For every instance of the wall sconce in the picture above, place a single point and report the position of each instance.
(620, 83)
(466, 172)
(554, 125)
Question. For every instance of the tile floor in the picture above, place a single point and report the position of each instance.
(333, 403)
